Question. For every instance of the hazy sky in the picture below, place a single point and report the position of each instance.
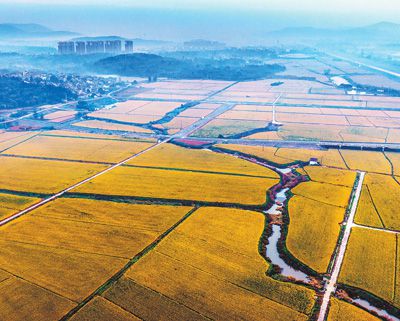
(357, 6)
(226, 20)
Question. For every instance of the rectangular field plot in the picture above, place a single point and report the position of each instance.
(94, 221)
(179, 185)
(9, 139)
(98, 124)
(227, 127)
(213, 267)
(331, 175)
(330, 157)
(24, 301)
(72, 246)
(82, 149)
(379, 202)
(313, 231)
(367, 266)
(10, 204)
(139, 112)
(325, 193)
(100, 309)
(60, 116)
(172, 156)
(42, 176)
(366, 161)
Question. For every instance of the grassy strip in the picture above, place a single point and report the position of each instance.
(111, 281)
(26, 194)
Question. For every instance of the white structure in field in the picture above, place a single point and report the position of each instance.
(274, 122)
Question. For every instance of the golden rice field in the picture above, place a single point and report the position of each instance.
(331, 175)
(10, 204)
(384, 193)
(9, 139)
(172, 156)
(368, 161)
(367, 266)
(98, 124)
(366, 212)
(57, 227)
(43, 176)
(313, 231)
(395, 160)
(68, 148)
(325, 193)
(66, 133)
(211, 264)
(329, 157)
(100, 309)
(21, 300)
(342, 311)
(72, 246)
(178, 185)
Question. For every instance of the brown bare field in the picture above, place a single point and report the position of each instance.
(252, 108)
(69, 148)
(265, 135)
(111, 126)
(393, 136)
(194, 112)
(60, 116)
(207, 106)
(42, 176)
(128, 118)
(312, 119)
(179, 123)
(246, 115)
(178, 185)
(172, 156)
(211, 264)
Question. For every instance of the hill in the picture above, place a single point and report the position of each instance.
(145, 65)
(31, 30)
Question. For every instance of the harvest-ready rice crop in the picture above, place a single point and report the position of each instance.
(42, 176)
(367, 266)
(331, 175)
(21, 300)
(211, 264)
(10, 203)
(172, 156)
(313, 231)
(367, 161)
(342, 311)
(325, 193)
(66, 148)
(179, 185)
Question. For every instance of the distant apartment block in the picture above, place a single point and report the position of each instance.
(80, 47)
(93, 47)
(128, 46)
(114, 46)
(66, 47)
